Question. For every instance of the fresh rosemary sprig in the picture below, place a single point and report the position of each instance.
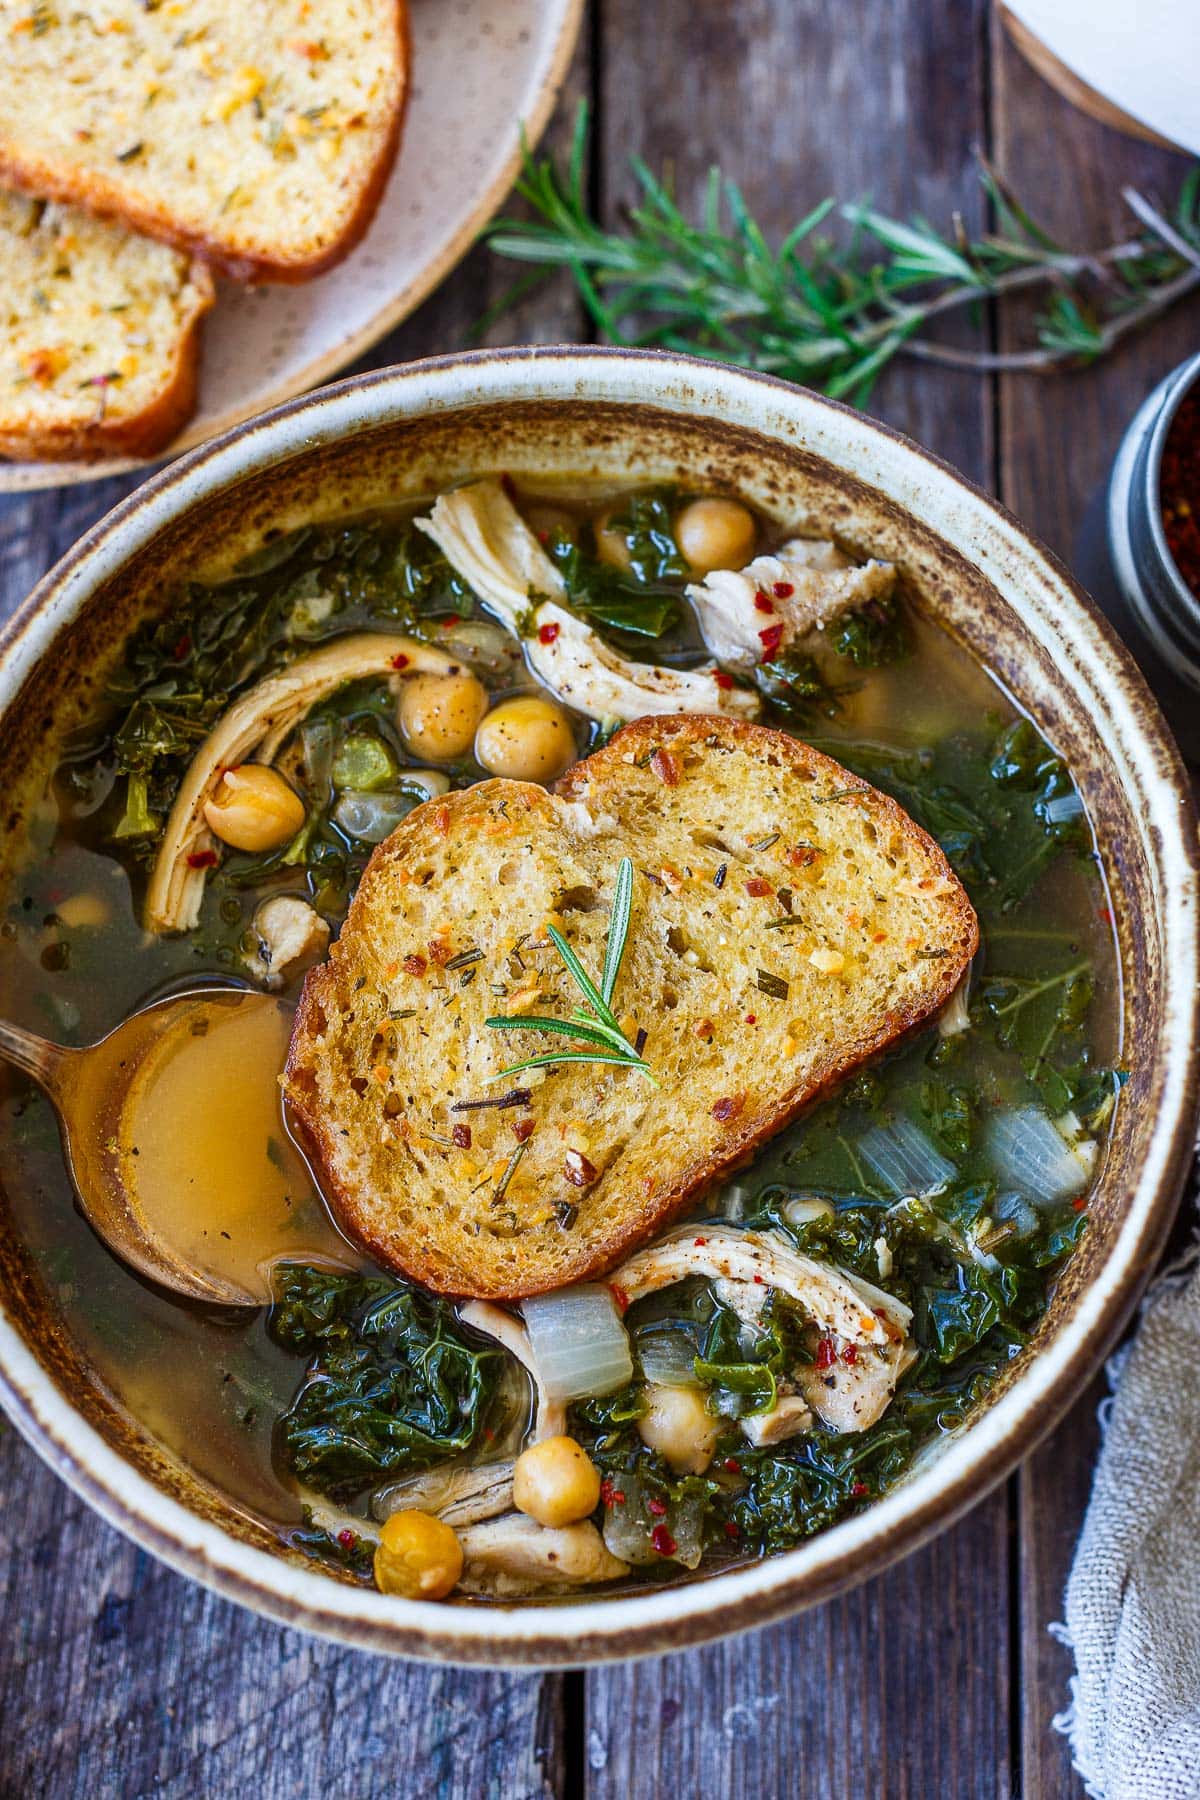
(597, 1027)
(828, 314)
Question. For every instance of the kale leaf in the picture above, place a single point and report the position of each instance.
(392, 1382)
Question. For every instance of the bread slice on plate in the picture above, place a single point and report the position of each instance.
(787, 922)
(100, 333)
(258, 136)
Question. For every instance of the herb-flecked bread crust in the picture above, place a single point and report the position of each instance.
(732, 827)
(108, 187)
(109, 367)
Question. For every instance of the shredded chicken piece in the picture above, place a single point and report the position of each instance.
(551, 1415)
(290, 933)
(787, 1418)
(515, 1555)
(955, 1015)
(259, 722)
(866, 1327)
(747, 615)
(485, 539)
(461, 1495)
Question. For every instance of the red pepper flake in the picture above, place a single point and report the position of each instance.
(1080, 1205)
(522, 1130)
(770, 639)
(752, 1018)
(728, 1107)
(611, 1496)
(850, 1353)
(441, 820)
(414, 965)
(782, 590)
(549, 631)
(762, 604)
(801, 856)
(759, 1281)
(700, 1242)
(858, 1490)
(202, 859)
(731, 1530)
(182, 647)
(439, 951)
(733, 1465)
(723, 681)
(1104, 914)
(826, 1355)
(657, 1507)
(460, 1137)
(346, 1537)
(662, 1540)
(451, 620)
(400, 661)
(665, 767)
(757, 886)
(620, 1296)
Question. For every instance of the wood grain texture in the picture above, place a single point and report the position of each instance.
(897, 1691)
(1057, 437)
(119, 1679)
(847, 1699)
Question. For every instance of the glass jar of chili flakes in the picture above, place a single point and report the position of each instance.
(1154, 543)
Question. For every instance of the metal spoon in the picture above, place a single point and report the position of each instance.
(89, 1088)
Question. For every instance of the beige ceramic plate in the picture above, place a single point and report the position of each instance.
(481, 70)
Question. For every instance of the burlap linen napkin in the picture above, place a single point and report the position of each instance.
(1133, 1597)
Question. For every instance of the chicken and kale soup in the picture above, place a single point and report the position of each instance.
(774, 1355)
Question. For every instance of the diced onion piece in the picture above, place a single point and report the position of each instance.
(372, 817)
(579, 1342)
(668, 1359)
(1063, 808)
(1014, 1209)
(903, 1159)
(1029, 1151)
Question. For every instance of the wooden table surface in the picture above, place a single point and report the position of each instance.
(119, 1678)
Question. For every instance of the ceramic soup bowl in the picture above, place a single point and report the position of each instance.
(623, 418)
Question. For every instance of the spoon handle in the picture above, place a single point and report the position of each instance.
(36, 1055)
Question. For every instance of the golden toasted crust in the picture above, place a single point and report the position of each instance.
(387, 1040)
(101, 339)
(111, 191)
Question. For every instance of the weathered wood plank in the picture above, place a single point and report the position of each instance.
(846, 1699)
(120, 1679)
(1057, 436)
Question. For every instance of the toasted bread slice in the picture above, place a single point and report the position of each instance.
(733, 830)
(99, 335)
(257, 136)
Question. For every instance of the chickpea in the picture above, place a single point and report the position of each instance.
(716, 534)
(253, 808)
(556, 1482)
(419, 1557)
(612, 546)
(526, 739)
(680, 1427)
(438, 715)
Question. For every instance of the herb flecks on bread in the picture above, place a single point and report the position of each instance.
(260, 136)
(100, 335)
(787, 922)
